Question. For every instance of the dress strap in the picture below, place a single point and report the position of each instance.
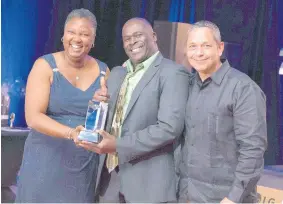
(51, 61)
(102, 67)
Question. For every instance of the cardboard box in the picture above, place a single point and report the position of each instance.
(270, 195)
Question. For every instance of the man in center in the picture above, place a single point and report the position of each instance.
(146, 115)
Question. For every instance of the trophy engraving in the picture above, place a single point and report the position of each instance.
(95, 120)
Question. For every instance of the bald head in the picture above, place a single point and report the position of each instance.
(140, 21)
(139, 40)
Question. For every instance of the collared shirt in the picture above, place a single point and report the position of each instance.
(132, 78)
(225, 137)
(134, 75)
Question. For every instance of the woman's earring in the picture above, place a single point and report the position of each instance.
(62, 39)
(92, 46)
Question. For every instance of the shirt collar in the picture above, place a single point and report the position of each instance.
(202, 84)
(218, 76)
(145, 63)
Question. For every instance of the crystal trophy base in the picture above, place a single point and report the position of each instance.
(95, 120)
(89, 136)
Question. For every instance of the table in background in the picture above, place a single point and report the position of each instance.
(12, 147)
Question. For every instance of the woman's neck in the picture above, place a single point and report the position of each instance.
(80, 63)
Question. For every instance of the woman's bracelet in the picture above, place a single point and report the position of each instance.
(69, 133)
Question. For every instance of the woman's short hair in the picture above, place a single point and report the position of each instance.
(82, 13)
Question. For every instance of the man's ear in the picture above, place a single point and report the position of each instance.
(220, 48)
(154, 36)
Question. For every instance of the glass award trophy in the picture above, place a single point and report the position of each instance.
(95, 120)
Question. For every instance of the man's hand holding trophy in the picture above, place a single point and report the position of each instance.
(93, 137)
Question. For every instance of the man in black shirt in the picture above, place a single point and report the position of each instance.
(225, 135)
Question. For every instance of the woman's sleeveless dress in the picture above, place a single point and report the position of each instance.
(54, 169)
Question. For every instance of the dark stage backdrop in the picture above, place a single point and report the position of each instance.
(111, 15)
(31, 28)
